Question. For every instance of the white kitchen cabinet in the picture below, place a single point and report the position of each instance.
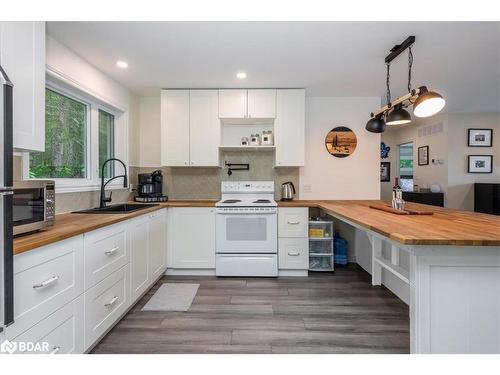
(175, 128)
(22, 56)
(62, 332)
(247, 104)
(158, 233)
(204, 128)
(289, 128)
(139, 240)
(293, 253)
(293, 240)
(262, 103)
(233, 103)
(44, 281)
(192, 238)
(293, 222)
(190, 128)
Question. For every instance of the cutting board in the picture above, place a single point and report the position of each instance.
(406, 211)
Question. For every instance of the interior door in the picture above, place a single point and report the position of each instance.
(175, 128)
(204, 128)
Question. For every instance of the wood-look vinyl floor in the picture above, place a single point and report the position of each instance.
(324, 313)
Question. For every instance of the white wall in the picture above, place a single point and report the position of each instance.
(327, 177)
(149, 137)
(460, 193)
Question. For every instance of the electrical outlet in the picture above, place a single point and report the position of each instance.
(307, 188)
(131, 188)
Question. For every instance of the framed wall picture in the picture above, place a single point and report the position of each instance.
(480, 164)
(423, 155)
(480, 138)
(341, 142)
(385, 171)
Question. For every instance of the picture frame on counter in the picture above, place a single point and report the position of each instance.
(480, 137)
(480, 164)
(423, 155)
(385, 171)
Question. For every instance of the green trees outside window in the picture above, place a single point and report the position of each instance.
(106, 142)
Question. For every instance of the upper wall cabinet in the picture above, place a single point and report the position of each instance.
(190, 129)
(289, 128)
(22, 56)
(247, 104)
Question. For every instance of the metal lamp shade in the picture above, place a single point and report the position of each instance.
(375, 125)
(428, 103)
(398, 116)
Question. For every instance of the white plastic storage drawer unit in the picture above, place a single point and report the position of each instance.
(44, 281)
(293, 222)
(105, 303)
(293, 253)
(59, 333)
(105, 252)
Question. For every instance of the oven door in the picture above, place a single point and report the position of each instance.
(29, 209)
(246, 233)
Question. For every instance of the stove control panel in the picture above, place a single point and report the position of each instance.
(247, 187)
(246, 210)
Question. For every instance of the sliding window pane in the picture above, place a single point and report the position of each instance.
(65, 153)
(106, 142)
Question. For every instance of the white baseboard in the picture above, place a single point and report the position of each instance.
(190, 272)
(293, 273)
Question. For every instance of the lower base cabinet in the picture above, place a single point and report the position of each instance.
(192, 238)
(105, 303)
(293, 253)
(59, 333)
(138, 235)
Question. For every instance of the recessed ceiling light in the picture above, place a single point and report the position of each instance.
(241, 75)
(121, 64)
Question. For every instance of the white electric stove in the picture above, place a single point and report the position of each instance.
(247, 229)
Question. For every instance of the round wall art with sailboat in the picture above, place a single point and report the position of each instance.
(341, 142)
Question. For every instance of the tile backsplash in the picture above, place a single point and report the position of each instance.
(187, 183)
(204, 183)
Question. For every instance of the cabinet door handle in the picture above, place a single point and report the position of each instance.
(112, 251)
(296, 254)
(46, 283)
(55, 350)
(293, 222)
(112, 302)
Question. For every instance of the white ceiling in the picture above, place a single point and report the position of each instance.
(459, 59)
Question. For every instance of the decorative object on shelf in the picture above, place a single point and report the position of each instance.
(385, 171)
(341, 142)
(244, 141)
(423, 155)
(384, 150)
(480, 164)
(435, 188)
(255, 140)
(480, 137)
(267, 138)
(236, 167)
(425, 103)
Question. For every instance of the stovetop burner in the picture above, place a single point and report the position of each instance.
(232, 201)
(262, 201)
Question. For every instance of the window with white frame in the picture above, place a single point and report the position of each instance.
(80, 134)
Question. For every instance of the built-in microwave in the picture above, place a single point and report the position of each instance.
(33, 205)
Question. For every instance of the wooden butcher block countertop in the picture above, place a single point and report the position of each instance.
(444, 227)
(68, 225)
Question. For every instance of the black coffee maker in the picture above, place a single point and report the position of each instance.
(150, 187)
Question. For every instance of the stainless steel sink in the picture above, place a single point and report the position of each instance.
(122, 208)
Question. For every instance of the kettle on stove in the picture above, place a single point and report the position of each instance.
(287, 191)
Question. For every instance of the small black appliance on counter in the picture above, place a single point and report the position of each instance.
(150, 187)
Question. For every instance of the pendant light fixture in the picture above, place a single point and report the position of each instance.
(425, 103)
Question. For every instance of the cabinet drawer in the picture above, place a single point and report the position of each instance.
(293, 222)
(59, 333)
(293, 253)
(105, 303)
(105, 252)
(45, 280)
